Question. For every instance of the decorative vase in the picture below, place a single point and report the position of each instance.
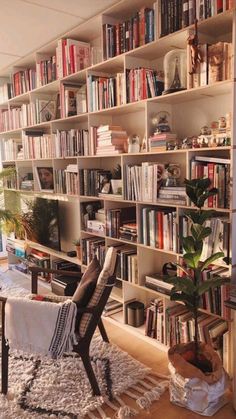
(190, 387)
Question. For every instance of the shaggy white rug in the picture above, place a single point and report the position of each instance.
(44, 388)
(60, 389)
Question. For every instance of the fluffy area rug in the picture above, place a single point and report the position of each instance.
(44, 388)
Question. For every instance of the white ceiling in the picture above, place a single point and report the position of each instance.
(26, 25)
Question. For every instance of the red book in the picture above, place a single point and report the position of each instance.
(142, 26)
(159, 230)
(211, 168)
(64, 42)
(219, 5)
(117, 37)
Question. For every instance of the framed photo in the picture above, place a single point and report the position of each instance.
(45, 178)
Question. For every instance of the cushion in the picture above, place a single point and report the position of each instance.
(87, 285)
(108, 266)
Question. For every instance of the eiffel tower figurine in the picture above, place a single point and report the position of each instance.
(176, 83)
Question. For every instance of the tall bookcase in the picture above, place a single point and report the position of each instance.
(189, 110)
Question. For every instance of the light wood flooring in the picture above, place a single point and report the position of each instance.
(157, 360)
(153, 358)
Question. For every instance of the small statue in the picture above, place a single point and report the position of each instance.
(195, 143)
(222, 123)
(144, 147)
(196, 57)
(134, 144)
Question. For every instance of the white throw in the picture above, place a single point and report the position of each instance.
(44, 328)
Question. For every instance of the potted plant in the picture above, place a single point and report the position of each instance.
(197, 375)
(78, 248)
(116, 181)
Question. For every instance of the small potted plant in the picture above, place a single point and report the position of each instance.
(116, 181)
(78, 248)
(197, 375)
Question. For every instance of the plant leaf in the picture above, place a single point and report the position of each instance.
(211, 259)
(192, 259)
(200, 232)
(212, 283)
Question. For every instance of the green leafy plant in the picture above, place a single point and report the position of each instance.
(189, 288)
(76, 242)
(38, 221)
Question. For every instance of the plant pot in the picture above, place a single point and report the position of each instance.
(200, 392)
(116, 185)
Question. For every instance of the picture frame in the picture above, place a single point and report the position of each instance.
(45, 178)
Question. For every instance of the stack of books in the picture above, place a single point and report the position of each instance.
(112, 307)
(172, 194)
(158, 142)
(129, 231)
(111, 140)
(155, 282)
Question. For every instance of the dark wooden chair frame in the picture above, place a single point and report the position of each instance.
(82, 348)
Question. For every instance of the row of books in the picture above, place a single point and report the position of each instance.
(178, 14)
(127, 264)
(23, 81)
(71, 56)
(10, 148)
(93, 246)
(143, 182)
(212, 300)
(73, 142)
(59, 181)
(6, 92)
(143, 83)
(132, 33)
(73, 99)
(180, 328)
(121, 223)
(71, 179)
(28, 114)
(105, 92)
(218, 170)
(158, 228)
(37, 145)
(94, 181)
(215, 64)
(46, 70)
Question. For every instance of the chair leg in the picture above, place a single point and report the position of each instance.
(91, 376)
(5, 350)
(102, 331)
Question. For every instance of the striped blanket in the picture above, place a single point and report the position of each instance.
(40, 327)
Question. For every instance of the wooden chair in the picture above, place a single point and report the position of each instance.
(85, 329)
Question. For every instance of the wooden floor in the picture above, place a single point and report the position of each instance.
(153, 358)
(157, 360)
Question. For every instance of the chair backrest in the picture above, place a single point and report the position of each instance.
(101, 294)
(89, 321)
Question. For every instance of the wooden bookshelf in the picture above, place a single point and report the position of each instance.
(190, 109)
